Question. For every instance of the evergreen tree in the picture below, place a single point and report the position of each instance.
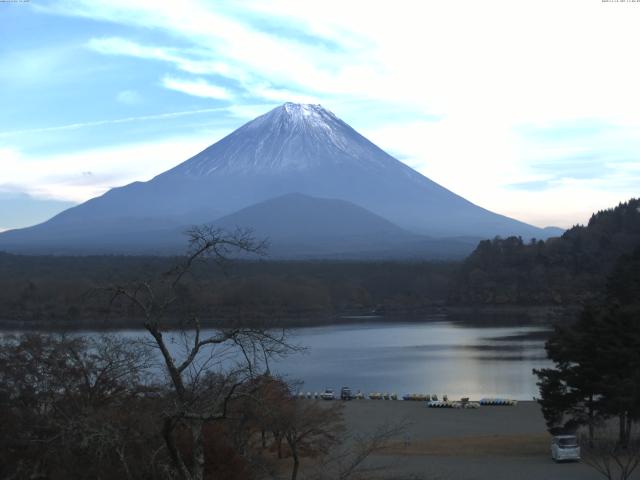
(597, 360)
(570, 391)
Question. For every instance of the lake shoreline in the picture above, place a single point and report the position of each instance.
(478, 315)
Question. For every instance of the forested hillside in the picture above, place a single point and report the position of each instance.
(67, 290)
(570, 269)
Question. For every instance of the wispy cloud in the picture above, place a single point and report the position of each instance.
(214, 35)
(198, 87)
(98, 123)
(129, 97)
(249, 84)
(421, 56)
(532, 185)
(180, 58)
(479, 101)
(66, 177)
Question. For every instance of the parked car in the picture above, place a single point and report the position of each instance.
(346, 394)
(565, 447)
(327, 394)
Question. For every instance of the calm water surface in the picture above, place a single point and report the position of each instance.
(436, 357)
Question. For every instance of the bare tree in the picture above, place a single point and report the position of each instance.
(268, 409)
(202, 388)
(71, 405)
(348, 460)
(606, 455)
(311, 430)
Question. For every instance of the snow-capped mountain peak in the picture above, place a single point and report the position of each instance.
(312, 114)
(294, 148)
(300, 115)
(303, 109)
(290, 137)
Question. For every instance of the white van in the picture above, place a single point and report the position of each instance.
(565, 447)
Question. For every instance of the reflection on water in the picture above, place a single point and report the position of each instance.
(435, 357)
(441, 357)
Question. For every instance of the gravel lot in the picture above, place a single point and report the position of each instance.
(488, 443)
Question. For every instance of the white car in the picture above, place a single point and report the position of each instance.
(565, 447)
(327, 394)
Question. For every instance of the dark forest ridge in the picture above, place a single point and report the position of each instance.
(294, 148)
(571, 269)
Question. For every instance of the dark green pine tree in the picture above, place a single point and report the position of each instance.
(597, 360)
(570, 391)
(620, 350)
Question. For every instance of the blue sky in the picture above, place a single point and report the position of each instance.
(530, 109)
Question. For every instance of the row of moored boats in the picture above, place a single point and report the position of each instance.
(432, 400)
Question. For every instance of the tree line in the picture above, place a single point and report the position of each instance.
(569, 270)
(65, 291)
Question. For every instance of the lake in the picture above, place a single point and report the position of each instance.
(440, 357)
(435, 356)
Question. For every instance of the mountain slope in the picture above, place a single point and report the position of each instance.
(293, 148)
(298, 225)
(295, 216)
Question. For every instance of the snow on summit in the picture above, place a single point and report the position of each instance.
(290, 137)
(304, 109)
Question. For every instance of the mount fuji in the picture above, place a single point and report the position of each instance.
(293, 149)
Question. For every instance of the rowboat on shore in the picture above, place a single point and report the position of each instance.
(501, 402)
(452, 404)
(416, 397)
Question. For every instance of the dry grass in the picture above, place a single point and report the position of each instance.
(494, 446)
